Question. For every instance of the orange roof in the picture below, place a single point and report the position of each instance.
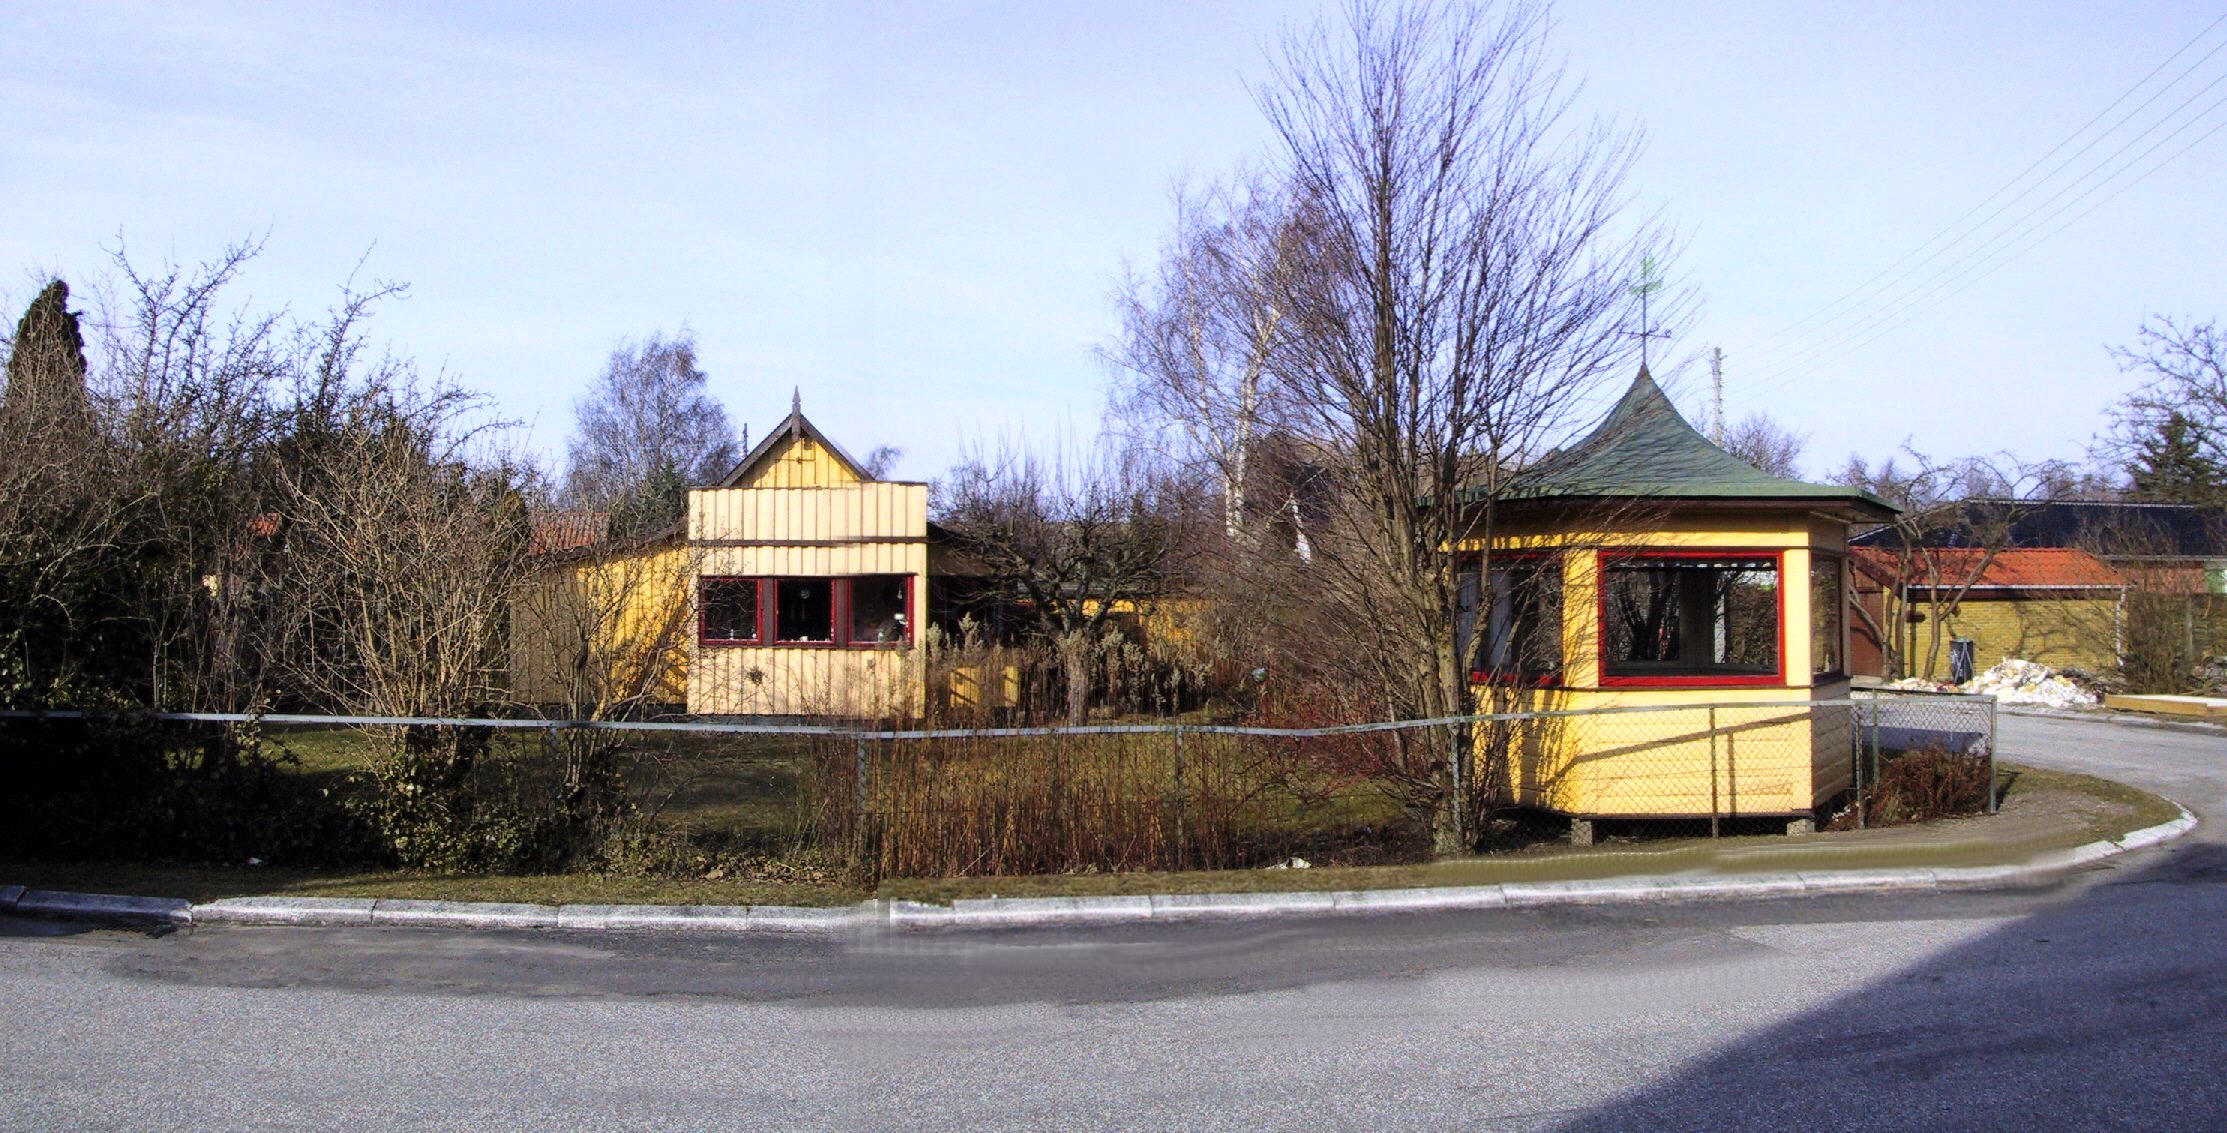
(553, 531)
(2019, 568)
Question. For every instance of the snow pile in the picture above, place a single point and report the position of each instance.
(2028, 682)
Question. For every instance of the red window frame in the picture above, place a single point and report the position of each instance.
(770, 588)
(1846, 599)
(843, 612)
(839, 611)
(1484, 620)
(703, 611)
(1604, 559)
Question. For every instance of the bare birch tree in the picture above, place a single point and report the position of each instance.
(646, 431)
(1199, 336)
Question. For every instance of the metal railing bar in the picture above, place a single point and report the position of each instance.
(702, 726)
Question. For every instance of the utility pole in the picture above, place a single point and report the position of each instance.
(1716, 388)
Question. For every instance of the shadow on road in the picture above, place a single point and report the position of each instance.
(2106, 1011)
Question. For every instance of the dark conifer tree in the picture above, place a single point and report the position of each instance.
(46, 366)
(2172, 465)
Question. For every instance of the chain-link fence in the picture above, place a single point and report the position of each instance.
(554, 794)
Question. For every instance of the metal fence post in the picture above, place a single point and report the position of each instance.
(1714, 805)
(1861, 756)
(1182, 830)
(861, 820)
(1994, 722)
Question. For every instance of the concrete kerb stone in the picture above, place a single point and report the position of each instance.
(2162, 832)
(1193, 906)
(995, 911)
(1014, 912)
(340, 911)
(1733, 886)
(104, 906)
(1592, 891)
(1868, 880)
(1989, 876)
(462, 914)
(698, 918)
(1435, 898)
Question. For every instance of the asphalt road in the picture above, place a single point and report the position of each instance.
(2100, 1003)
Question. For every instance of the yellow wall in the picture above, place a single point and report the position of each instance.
(831, 531)
(1688, 760)
(799, 462)
(1760, 760)
(1172, 620)
(604, 633)
(2058, 632)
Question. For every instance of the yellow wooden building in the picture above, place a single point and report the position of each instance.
(796, 586)
(1646, 568)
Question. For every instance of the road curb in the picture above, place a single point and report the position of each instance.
(103, 906)
(1025, 912)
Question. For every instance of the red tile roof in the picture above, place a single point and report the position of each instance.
(2021, 568)
(553, 531)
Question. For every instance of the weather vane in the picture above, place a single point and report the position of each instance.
(1650, 281)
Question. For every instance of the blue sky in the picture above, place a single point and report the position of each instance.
(916, 213)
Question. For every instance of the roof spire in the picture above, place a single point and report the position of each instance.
(1650, 281)
(796, 401)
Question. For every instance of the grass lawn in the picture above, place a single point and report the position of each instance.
(2042, 810)
(746, 786)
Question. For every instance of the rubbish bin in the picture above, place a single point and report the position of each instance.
(1961, 668)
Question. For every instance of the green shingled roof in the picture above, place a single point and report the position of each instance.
(1644, 449)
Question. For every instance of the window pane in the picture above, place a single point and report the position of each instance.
(1642, 615)
(1746, 630)
(878, 614)
(1523, 632)
(730, 609)
(1691, 617)
(1826, 609)
(804, 609)
(1468, 596)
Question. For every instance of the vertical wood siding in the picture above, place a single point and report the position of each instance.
(799, 462)
(850, 528)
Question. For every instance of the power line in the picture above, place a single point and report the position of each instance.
(2015, 254)
(1987, 257)
(1865, 289)
(1850, 329)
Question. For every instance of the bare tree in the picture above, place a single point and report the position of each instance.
(1771, 447)
(1194, 361)
(2182, 403)
(883, 461)
(1957, 518)
(644, 432)
(1069, 544)
(196, 392)
(1461, 288)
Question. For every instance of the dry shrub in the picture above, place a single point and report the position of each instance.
(1921, 786)
(987, 805)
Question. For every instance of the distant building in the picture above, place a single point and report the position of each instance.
(2060, 606)
(793, 587)
(2168, 585)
